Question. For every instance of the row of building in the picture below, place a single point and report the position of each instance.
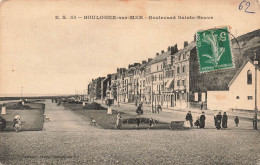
(172, 79)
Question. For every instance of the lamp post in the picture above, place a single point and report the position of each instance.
(118, 93)
(255, 118)
(152, 93)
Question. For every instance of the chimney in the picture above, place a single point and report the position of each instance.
(136, 64)
(150, 59)
(185, 44)
(129, 66)
(162, 51)
(195, 37)
(157, 54)
(144, 62)
(174, 49)
(117, 70)
(169, 48)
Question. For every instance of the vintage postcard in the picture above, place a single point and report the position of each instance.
(129, 82)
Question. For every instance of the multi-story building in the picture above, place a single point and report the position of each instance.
(168, 76)
(155, 79)
(182, 74)
(94, 88)
(106, 88)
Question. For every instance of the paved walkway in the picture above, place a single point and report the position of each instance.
(64, 120)
(168, 115)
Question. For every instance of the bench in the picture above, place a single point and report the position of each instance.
(176, 125)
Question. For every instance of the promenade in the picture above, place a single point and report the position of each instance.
(69, 139)
(176, 114)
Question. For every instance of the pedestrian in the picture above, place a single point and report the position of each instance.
(215, 119)
(139, 109)
(202, 120)
(119, 121)
(17, 124)
(189, 118)
(159, 108)
(201, 105)
(2, 123)
(236, 120)
(224, 120)
(151, 122)
(138, 120)
(136, 102)
(197, 122)
(218, 121)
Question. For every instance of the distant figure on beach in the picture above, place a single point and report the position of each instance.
(236, 120)
(224, 120)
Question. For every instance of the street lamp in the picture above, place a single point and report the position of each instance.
(255, 118)
(152, 94)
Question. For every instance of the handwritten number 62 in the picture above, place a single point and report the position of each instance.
(247, 4)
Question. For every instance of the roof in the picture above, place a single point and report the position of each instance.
(186, 49)
(159, 58)
(240, 69)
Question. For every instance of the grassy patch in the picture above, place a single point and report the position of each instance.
(109, 121)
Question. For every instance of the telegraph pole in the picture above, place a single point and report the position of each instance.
(152, 93)
(256, 109)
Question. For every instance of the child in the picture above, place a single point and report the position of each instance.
(236, 120)
(151, 122)
(197, 122)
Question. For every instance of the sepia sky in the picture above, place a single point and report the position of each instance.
(56, 56)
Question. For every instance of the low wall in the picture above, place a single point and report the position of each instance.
(32, 120)
(218, 100)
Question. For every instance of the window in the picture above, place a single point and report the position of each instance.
(184, 56)
(183, 69)
(237, 97)
(183, 83)
(178, 69)
(179, 57)
(157, 67)
(178, 83)
(249, 77)
(249, 97)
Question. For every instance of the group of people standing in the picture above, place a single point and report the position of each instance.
(200, 122)
(219, 120)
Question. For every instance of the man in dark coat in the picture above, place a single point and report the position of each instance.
(202, 120)
(218, 120)
(189, 118)
(2, 123)
(224, 120)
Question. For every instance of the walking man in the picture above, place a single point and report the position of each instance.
(189, 118)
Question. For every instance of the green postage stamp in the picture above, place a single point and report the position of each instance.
(214, 49)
